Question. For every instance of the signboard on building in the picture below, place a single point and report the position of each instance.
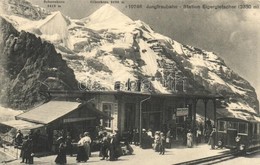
(182, 112)
(114, 121)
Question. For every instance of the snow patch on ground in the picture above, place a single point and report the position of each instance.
(177, 47)
(216, 79)
(120, 72)
(235, 90)
(150, 59)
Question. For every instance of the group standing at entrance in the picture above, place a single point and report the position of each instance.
(110, 148)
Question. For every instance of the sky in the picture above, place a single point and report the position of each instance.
(233, 34)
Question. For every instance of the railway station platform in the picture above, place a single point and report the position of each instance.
(141, 156)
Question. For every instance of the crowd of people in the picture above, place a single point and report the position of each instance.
(111, 146)
(164, 139)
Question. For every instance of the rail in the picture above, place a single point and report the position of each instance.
(210, 160)
(216, 159)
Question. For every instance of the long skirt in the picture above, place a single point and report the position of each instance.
(82, 155)
(189, 142)
(87, 149)
(212, 142)
(61, 158)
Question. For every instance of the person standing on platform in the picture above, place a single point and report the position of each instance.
(23, 153)
(189, 139)
(118, 150)
(61, 157)
(169, 139)
(112, 148)
(81, 154)
(69, 146)
(87, 142)
(157, 141)
(104, 146)
(30, 150)
(213, 138)
(162, 143)
(136, 136)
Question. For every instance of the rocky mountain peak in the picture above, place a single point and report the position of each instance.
(22, 8)
(29, 64)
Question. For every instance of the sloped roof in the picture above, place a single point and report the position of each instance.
(49, 112)
(21, 124)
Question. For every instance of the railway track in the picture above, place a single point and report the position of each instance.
(210, 160)
(216, 159)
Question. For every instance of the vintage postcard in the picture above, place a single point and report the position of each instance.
(129, 81)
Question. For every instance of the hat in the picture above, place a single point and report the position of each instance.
(143, 129)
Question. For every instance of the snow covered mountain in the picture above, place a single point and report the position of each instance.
(109, 47)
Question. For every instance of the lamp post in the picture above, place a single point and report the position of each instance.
(140, 124)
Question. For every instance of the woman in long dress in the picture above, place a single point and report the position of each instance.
(81, 154)
(189, 139)
(213, 138)
(61, 157)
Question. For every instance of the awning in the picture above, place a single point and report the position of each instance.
(53, 110)
(21, 124)
(49, 112)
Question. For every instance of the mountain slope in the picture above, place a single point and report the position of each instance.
(108, 46)
(28, 65)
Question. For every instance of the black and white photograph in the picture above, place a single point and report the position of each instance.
(150, 82)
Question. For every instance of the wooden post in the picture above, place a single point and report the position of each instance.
(194, 115)
(215, 112)
(205, 108)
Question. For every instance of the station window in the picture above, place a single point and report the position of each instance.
(242, 128)
(222, 126)
(233, 125)
(107, 109)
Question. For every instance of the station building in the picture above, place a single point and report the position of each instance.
(128, 110)
(80, 111)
